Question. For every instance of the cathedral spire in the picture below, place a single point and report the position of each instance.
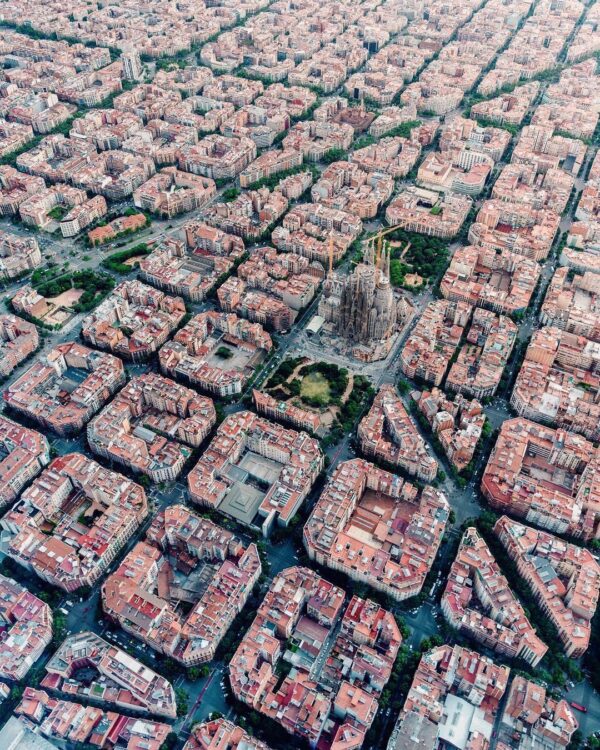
(370, 253)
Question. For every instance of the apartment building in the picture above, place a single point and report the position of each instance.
(388, 434)
(545, 476)
(152, 426)
(191, 265)
(185, 559)
(72, 522)
(558, 383)
(377, 528)
(563, 577)
(63, 389)
(500, 281)
(478, 601)
(428, 212)
(27, 628)
(217, 352)
(134, 321)
(277, 468)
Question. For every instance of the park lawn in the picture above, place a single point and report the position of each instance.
(315, 385)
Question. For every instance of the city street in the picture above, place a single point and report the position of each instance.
(206, 695)
(432, 232)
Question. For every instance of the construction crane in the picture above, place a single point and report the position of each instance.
(371, 241)
(378, 238)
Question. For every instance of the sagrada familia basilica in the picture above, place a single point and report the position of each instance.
(363, 307)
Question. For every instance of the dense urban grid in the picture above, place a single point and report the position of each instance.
(299, 436)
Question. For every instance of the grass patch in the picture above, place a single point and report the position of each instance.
(315, 386)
